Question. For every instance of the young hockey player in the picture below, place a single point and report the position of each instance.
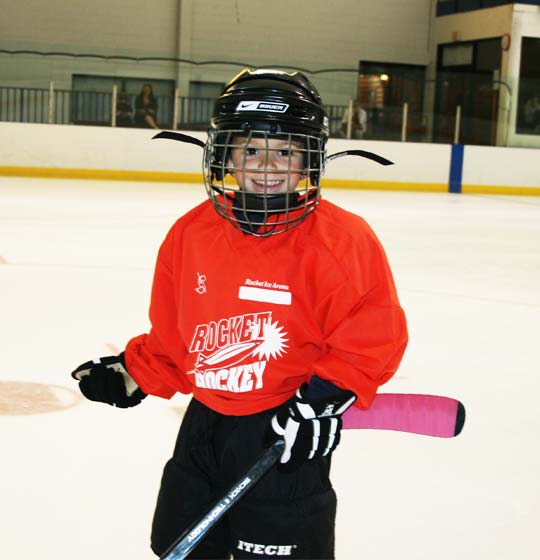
(276, 310)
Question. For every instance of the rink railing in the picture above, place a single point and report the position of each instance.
(58, 106)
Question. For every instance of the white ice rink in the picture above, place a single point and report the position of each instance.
(76, 261)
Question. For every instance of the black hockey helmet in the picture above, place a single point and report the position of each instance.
(271, 112)
(272, 101)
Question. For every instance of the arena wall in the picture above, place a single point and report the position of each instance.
(41, 150)
(311, 34)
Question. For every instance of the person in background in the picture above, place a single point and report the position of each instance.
(358, 123)
(146, 108)
(124, 110)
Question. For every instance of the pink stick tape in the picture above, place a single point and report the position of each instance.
(420, 414)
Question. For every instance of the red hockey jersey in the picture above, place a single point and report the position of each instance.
(242, 322)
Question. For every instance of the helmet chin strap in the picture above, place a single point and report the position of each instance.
(253, 210)
(271, 203)
(361, 153)
(168, 135)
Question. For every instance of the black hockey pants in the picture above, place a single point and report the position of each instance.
(286, 515)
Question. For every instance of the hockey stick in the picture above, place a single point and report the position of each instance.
(420, 414)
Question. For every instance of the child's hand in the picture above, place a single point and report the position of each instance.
(107, 380)
(310, 422)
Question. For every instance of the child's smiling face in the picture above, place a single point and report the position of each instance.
(266, 166)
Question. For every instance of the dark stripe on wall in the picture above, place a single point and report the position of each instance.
(456, 168)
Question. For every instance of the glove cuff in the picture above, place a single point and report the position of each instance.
(321, 398)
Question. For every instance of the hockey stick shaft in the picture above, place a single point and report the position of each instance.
(193, 536)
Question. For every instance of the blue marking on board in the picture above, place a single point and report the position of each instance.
(456, 168)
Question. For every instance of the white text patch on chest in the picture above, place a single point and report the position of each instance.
(279, 297)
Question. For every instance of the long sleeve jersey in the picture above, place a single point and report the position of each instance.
(241, 321)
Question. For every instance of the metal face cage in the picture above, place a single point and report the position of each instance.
(263, 182)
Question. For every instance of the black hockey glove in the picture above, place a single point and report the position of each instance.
(310, 422)
(107, 380)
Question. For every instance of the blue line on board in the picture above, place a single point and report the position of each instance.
(456, 168)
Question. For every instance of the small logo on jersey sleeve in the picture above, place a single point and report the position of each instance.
(201, 284)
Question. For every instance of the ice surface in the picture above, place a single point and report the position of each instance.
(76, 261)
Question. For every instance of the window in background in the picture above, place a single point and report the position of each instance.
(383, 88)
(447, 7)
(468, 76)
(528, 114)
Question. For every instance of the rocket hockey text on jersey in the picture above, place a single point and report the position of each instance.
(235, 380)
(232, 353)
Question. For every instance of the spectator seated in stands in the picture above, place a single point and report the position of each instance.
(146, 108)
